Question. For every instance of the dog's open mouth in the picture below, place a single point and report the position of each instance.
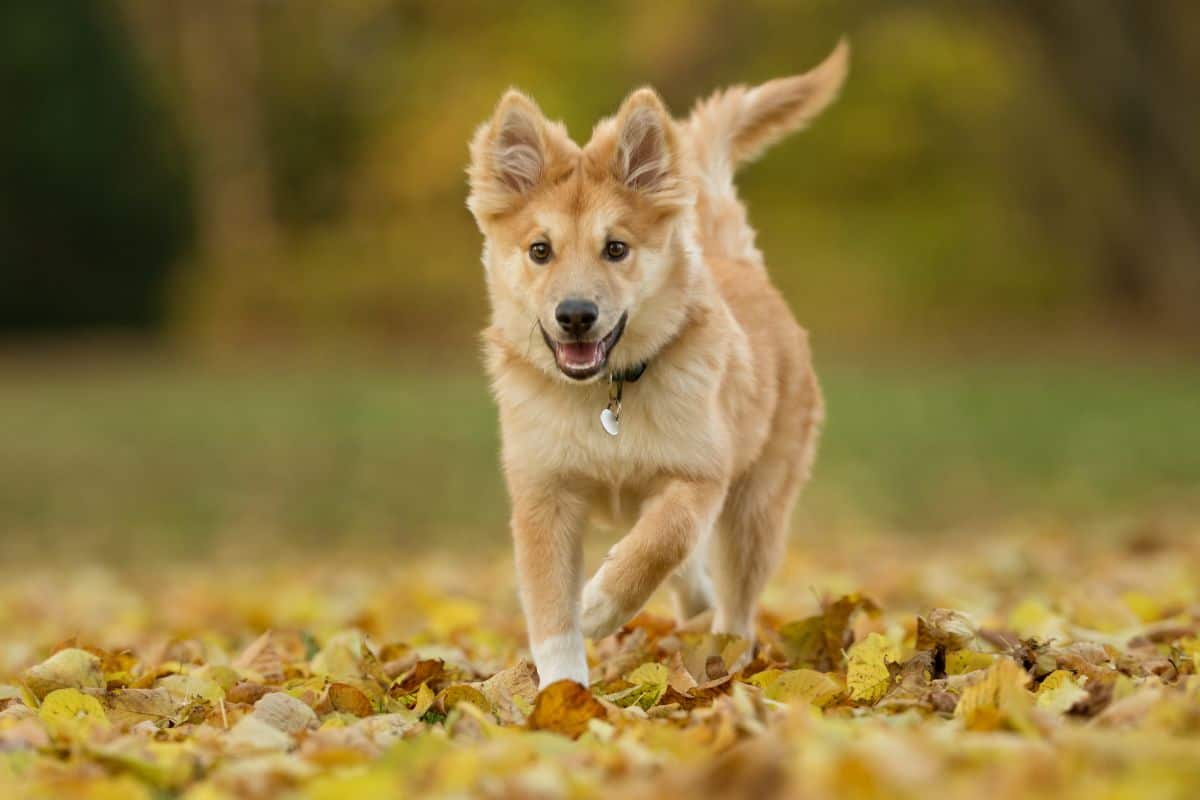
(583, 360)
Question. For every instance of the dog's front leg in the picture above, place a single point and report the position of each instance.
(671, 524)
(547, 525)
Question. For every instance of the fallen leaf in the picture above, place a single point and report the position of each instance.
(998, 701)
(451, 696)
(252, 734)
(511, 692)
(284, 712)
(349, 699)
(72, 714)
(1059, 692)
(947, 629)
(70, 668)
(960, 662)
(649, 683)
(806, 686)
(867, 673)
(565, 707)
(819, 641)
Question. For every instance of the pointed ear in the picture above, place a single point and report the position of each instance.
(647, 156)
(508, 155)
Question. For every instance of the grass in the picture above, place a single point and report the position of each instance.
(164, 457)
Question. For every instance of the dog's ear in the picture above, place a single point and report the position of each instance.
(647, 156)
(509, 155)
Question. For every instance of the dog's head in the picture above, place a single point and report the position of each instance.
(581, 243)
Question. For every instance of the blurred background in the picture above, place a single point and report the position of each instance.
(240, 292)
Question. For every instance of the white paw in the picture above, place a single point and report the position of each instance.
(600, 615)
(560, 658)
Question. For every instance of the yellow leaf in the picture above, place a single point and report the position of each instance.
(71, 713)
(649, 685)
(451, 696)
(189, 688)
(867, 674)
(445, 615)
(70, 668)
(818, 641)
(341, 657)
(801, 686)
(998, 701)
(1143, 605)
(424, 701)
(1033, 618)
(165, 765)
(960, 662)
(1059, 692)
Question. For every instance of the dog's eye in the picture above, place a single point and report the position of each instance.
(539, 252)
(615, 251)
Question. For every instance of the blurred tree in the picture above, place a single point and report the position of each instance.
(94, 195)
(991, 165)
(1124, 180)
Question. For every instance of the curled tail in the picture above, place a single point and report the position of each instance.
(736, 125)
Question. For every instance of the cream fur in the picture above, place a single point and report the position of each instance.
(720, 433)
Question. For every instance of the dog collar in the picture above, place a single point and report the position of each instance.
(630, 375)
(610, 417)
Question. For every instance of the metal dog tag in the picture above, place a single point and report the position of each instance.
(610, 422)
(610, 417)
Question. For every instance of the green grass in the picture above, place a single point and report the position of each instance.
(139, 456)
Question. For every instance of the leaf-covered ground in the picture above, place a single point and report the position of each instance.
(1018, 663)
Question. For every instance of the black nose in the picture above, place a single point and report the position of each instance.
(576, 317)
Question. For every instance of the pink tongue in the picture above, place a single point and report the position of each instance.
(579, 354)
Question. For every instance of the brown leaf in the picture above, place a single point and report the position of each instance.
(512, 692)
(246, 692)
(423, 671)
(945, 629)
(131, 706)
(565, 707)
(349, 699)
(262, 658)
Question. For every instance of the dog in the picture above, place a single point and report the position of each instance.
(647, 373)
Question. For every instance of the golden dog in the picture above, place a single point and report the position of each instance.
(645, 368)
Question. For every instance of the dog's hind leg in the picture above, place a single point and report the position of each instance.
(752, 530)
(753, 526)
(749, 545)
(690, 585)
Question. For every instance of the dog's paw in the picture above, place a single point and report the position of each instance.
(600, 614)
(560, 658)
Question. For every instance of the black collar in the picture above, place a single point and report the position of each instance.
(630, 375)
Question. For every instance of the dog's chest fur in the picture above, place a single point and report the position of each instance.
(667, 427)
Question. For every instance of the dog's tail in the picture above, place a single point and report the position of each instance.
(736, 125)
